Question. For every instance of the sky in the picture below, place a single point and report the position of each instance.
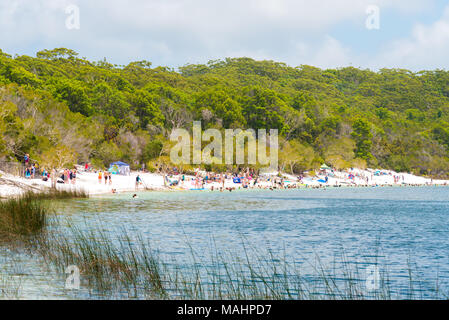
(374, 34)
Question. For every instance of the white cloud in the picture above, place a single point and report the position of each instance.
(426, 48)
(175, 32)
(329, 53)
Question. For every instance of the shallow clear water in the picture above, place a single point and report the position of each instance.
(401, 226)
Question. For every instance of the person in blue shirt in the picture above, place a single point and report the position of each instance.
(27, 173)
(138, 181)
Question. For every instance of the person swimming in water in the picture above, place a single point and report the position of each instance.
(135, 196)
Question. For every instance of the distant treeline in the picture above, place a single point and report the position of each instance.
(63, 109)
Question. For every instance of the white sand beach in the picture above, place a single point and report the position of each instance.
(88, 182)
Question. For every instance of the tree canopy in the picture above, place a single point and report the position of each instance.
(393, 118)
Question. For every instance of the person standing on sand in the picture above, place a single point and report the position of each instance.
(138, 181)
(110, 178)
(99, 177)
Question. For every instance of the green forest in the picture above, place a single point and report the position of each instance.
(63, 109)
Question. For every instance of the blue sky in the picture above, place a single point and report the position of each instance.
(412, 34)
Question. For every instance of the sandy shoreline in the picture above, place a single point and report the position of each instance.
(88, 182)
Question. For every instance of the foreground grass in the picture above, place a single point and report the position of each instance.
(28, 214)
(22, 217)
(54, 194)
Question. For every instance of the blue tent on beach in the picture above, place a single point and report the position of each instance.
(119, 167)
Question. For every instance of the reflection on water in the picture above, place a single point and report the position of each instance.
(399, 225)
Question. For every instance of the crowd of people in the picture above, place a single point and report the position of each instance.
(242, 178)
(68, 176)
(251, 179)
(247, 178)
(32, 170)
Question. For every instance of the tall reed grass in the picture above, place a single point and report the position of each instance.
(28, 214)
(23, 216)
(53, 194)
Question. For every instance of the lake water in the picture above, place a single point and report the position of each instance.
(402, 227)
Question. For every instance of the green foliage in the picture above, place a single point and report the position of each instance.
(441, 133)
(58, 53)
(108, 152)
(102, 112)
(152, 150)
(74, 93)
(362, 136)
